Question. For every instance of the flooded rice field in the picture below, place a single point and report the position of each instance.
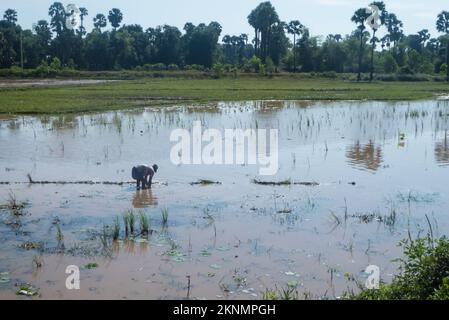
(354, 179)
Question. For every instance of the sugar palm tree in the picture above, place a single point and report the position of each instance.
(443, 27)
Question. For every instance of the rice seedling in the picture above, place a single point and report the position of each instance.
(164, 213)
(132, 221)
(126, 222)
(116, 229)
(59, 237)
(144, 224)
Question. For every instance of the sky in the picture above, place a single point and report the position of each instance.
(320, 16)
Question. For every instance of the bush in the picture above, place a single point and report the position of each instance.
(56, 64)
(252, 65)
(172, 67)
(424, 276)
(218, 70)
(154, 67)
(196, 67)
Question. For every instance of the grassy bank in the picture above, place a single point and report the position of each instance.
(163, 91)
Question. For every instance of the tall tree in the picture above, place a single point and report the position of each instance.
(100, 21)
(443, 27)
(83, 13)
(58, 16)
(262, 19)
(376, 25)
(10, 16)
(115, 17)
(359, 18)
(294, 28)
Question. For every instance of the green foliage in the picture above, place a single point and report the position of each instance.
(56, 64)
(389, 64)
(424, 273)
(218, 70)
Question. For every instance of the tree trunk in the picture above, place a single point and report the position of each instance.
(359, 76)
(294, 52)
(371, 75)
(447, 61)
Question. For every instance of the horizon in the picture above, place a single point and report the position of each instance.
(415, 15)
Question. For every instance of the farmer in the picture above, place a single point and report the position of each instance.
(144, 174)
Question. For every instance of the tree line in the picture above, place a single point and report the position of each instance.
(275, 46)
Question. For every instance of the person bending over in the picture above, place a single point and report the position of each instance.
(144, 175)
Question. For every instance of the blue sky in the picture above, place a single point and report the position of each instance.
(321, 16)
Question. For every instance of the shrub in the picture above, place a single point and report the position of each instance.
(424, 275)
(56, 64)
(218, 70)
(172, 67)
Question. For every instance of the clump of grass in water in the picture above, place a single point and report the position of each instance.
(104, 239)
(132, 221)
(288, 293)
(164, 213)
(144, 224)
(59, 237)
(116, 229)
(14, 206)
(126, 223)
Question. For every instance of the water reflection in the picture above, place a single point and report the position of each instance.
(442, 152)
(144, 199)
(365, 156)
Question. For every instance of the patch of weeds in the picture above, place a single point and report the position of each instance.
(14, 206)
(32, 245)
(91, 265)
(204, 182)
(37, 262)
(417, 197)
(424, 274)
(286, 293)
(26, 289)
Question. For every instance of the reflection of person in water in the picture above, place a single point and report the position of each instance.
(143, 199)
(144, 175)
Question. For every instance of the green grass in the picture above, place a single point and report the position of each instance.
(169, 91)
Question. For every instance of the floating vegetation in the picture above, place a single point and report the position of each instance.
(91, 265)
(416, 197)
(14, 206)
(32, 245)
(26, 289)
(285, 183)
(203, 182)
(4, 277)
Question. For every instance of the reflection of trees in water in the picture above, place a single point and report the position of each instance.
(367, 156)
(442, 151)
(144, 199)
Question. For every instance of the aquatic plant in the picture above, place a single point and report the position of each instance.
(164, 213)
(144, 224)
(59, 236)
(132, 221)
(116, 229)
(424, 274)
(126, 222)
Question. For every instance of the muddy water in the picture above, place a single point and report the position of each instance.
(381, 168)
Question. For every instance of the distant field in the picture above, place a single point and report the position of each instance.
(163, 91)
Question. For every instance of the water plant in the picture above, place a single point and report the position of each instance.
(144, 223)
(164, 213)
(116, 229)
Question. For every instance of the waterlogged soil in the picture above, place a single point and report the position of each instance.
(354, 179)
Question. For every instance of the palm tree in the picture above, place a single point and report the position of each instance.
(100, 21)
(10, 16)
(359, 18)
(295, 28)
(383, 14)
(58, 17)
(115, 17)
(394, 27)
(83, 13)
(443, 27)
